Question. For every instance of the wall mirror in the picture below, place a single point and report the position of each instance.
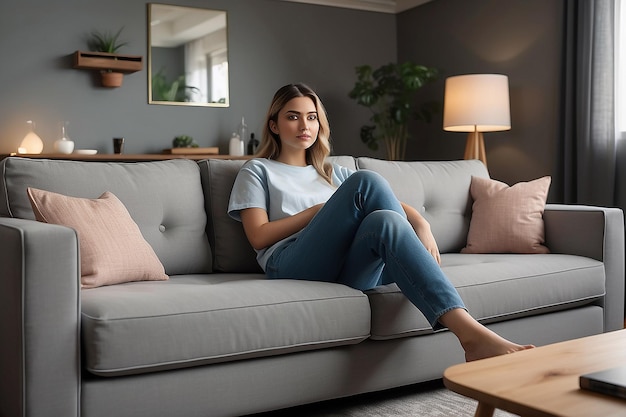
(187, 56)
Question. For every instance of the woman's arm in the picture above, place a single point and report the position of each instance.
(422, 229)
(262, 233)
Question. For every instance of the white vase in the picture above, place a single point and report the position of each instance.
(64, 145)
(236, 146)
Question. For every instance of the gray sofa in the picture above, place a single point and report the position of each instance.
(217, 339)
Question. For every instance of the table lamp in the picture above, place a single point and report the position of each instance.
(31, 143)
(476, 103)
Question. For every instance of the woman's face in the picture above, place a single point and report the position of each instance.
(297, 124)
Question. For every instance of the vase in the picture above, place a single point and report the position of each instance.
(64, 145)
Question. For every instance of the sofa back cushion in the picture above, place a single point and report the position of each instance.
(164, 198)
(439, 190)
(231, 250)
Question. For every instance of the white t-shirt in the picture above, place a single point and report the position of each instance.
(281, 190)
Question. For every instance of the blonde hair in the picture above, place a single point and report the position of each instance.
(270, 142)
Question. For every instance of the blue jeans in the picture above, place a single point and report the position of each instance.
(362, 238)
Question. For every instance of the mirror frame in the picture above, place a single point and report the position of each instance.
(150, 70)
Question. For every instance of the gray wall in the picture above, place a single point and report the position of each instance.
(272, 43)
(518, 38)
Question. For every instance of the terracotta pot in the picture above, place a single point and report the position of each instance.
(112, 79)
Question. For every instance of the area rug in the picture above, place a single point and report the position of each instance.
(429, 400)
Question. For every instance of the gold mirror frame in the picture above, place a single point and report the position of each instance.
(187, 56)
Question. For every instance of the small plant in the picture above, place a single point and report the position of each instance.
(184, 141)
(389, 93)
(105, 42)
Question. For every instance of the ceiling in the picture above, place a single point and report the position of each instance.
(172, 26)
(384, 6)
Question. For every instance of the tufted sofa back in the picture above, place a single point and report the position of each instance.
(164, 198)
(440, 190)
(170, 200)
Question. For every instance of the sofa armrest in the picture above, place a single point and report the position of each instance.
(39, 319)
(594, 232)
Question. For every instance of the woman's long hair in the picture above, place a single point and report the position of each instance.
(270, 142)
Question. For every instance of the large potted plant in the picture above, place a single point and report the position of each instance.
(389, 92)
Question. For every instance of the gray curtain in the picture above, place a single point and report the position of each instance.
(590, 148)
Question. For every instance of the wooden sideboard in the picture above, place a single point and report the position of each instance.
(123, 157)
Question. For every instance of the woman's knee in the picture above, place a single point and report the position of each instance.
(370, 177)
(370, 183)
(389, 220)
(371, 192)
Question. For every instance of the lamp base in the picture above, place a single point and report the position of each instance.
(475, 147)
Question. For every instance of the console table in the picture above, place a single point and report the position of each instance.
(123, 157)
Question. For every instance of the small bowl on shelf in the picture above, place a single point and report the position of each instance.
(86, 151)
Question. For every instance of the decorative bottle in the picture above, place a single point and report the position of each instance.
(235, 146)
(242, 130)
(64, 145)
(253, 144)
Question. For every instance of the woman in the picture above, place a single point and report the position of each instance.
(309, 219)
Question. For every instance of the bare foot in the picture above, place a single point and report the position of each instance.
(490, 345)
(478, 341)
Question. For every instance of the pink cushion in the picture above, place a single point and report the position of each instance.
(112, 248)
(507, 219)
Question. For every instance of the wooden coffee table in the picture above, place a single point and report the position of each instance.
(543, 381)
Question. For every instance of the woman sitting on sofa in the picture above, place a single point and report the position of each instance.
(309, 219)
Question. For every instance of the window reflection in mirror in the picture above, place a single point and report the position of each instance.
(188, 56)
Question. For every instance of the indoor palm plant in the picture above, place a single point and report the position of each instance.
(389, 92)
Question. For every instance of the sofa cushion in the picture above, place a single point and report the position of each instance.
(495, 288)
(200, 319)
(231, 250)
(164, 198)
(507, 219)
(112, 249)
(440, 191)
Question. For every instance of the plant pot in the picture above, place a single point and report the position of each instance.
(112, 79)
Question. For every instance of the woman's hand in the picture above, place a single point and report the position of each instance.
(422, 229)
(428, 240)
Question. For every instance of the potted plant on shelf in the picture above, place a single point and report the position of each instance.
(184, 141)
(108, 43)
(105, 42)
(389, 93)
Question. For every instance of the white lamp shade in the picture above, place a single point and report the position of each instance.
(477, 102)
(31, 143)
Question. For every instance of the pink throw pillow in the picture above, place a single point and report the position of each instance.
(507, 219)
(112, 248)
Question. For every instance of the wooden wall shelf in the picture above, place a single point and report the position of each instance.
(103, 61)
(124, 157)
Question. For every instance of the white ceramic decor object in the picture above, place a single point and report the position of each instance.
(64, 145)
